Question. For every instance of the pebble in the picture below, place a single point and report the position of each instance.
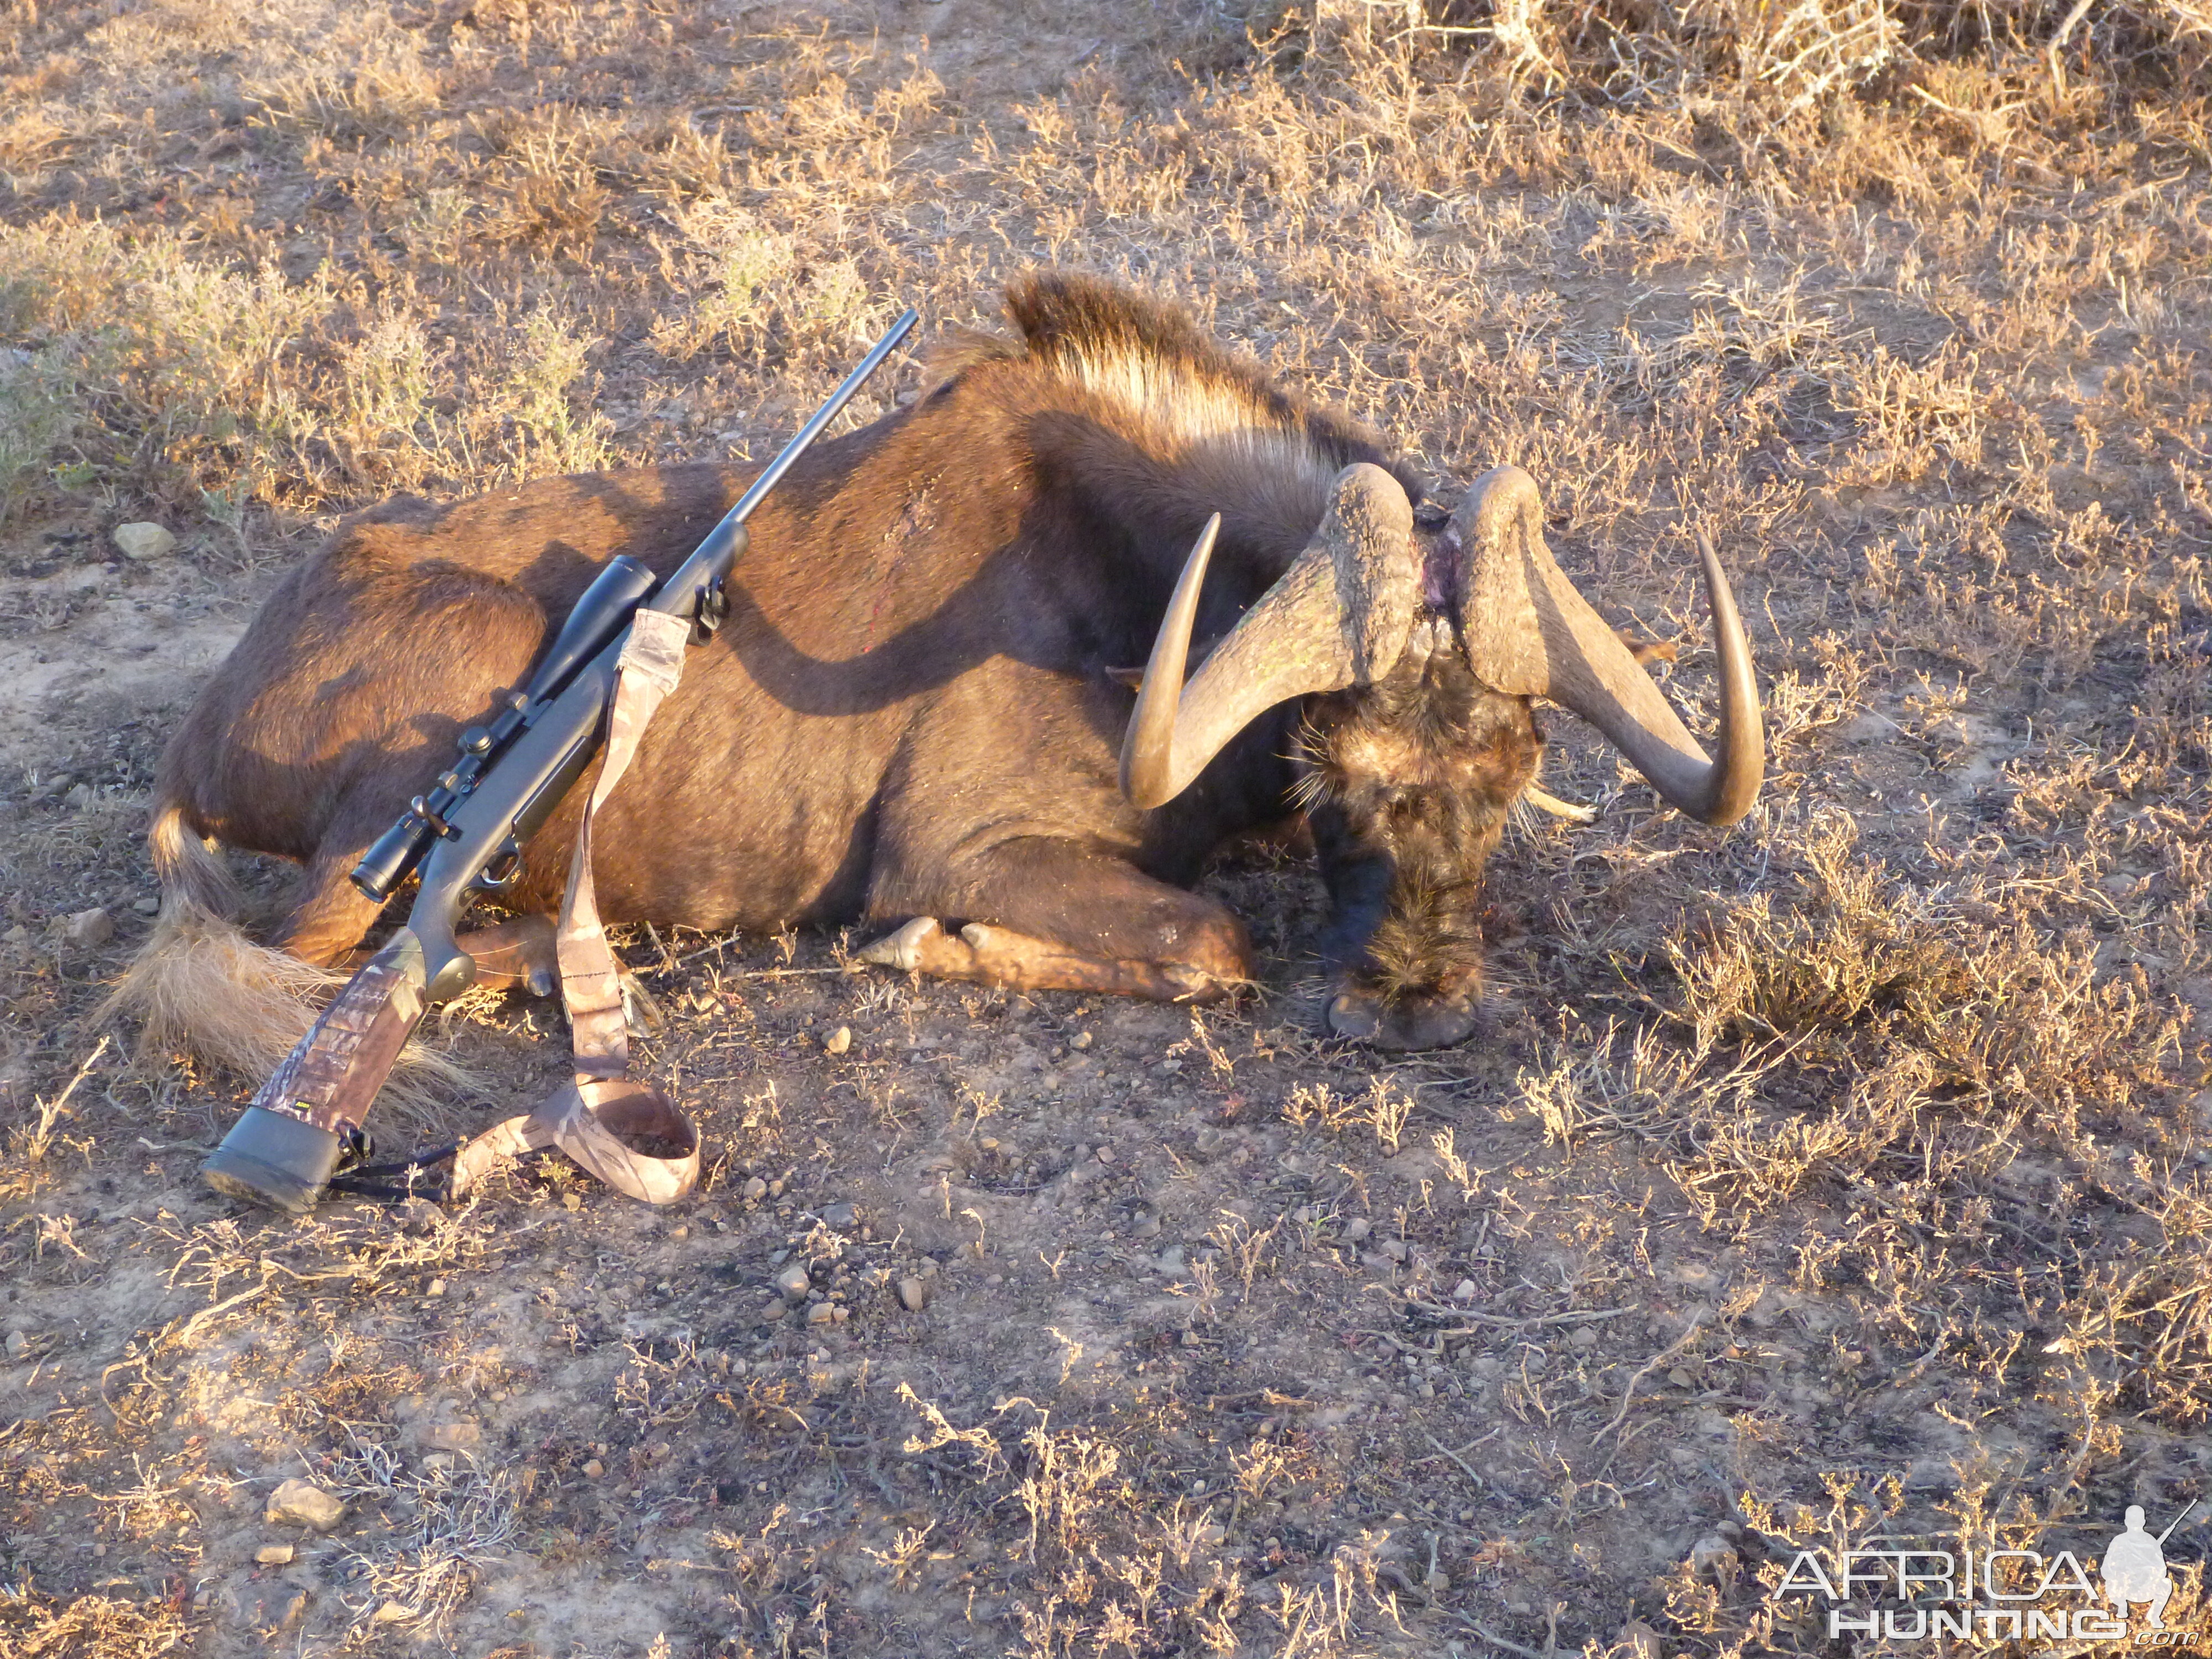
(89, 927)
(143, 541)
(78, 798)
(593, 1468)
(1395, 1248)
(841, 1218)
(1080, 1040)
(455, 1436)
(302, 1504)
(1171, 1259)
(147, 906)
(838, 1040)
(792, 1281)
(1464, 1291)
(18, 1345)
(275, 1555)
(391, 1613)
(913, 1293)
(1357, 1229)
(822, 1313)
(1711, 1559)
(756, 1189)
(1584, 1336)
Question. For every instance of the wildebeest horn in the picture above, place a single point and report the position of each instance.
(1338, 617)
(1530, 634)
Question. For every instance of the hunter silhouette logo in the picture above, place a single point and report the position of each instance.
(1921, 1594)
(2134, 1568)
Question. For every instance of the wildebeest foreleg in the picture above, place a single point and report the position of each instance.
(1055, 916)
(997, 956)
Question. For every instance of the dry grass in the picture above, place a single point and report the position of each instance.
(1841, 1174)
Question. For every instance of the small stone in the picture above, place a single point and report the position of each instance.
(18, 1345)
(1080, 1040)
(838, 1040)
(1171, 1259)
(1712, 1559)
(302, 1504)
(1439, 1582)
(572, 1200)
(143, 541)
(391, 1613)
(754, 1190)
(455, 1437)
(913, 1293)
(275, 1555)
(1642, 1641)
(1395, 1248)
(822, 1313)
(792, 1281)
(78, 798)
(89, 927)
(145, 906)
(1148, 1226)
(437, 1287)
(1464, 1291)
(1583, 1337)
(1357, 1229)
(1680, 1378)
(841, 1218)
(593, 1468)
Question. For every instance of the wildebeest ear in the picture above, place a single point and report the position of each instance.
(1645, 649)
(1133, 677)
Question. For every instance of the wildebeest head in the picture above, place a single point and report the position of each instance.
(1417, 645)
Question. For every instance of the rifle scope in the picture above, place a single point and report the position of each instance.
(604, 611)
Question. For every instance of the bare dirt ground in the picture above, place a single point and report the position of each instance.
(1841, 1175)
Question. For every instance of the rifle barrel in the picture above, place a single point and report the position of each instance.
(2176, 1521)
(681, 593)
(771, 474)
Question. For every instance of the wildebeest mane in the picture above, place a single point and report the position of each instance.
(1125, 402)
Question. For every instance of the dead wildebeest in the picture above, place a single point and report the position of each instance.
(913, 713)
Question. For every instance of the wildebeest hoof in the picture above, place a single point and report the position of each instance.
(903, 948)
(1399, 1025)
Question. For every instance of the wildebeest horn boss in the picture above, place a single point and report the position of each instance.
(912, 714)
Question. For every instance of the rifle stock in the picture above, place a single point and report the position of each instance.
(307, 1116)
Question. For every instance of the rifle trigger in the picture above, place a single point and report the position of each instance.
(499, 873)
(713, 610)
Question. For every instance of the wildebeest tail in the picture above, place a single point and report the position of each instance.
(199, 984)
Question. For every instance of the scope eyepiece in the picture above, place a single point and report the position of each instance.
(391, 856)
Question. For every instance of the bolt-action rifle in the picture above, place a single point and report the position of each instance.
(466, 834)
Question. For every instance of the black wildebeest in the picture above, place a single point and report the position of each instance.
(912, 714)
